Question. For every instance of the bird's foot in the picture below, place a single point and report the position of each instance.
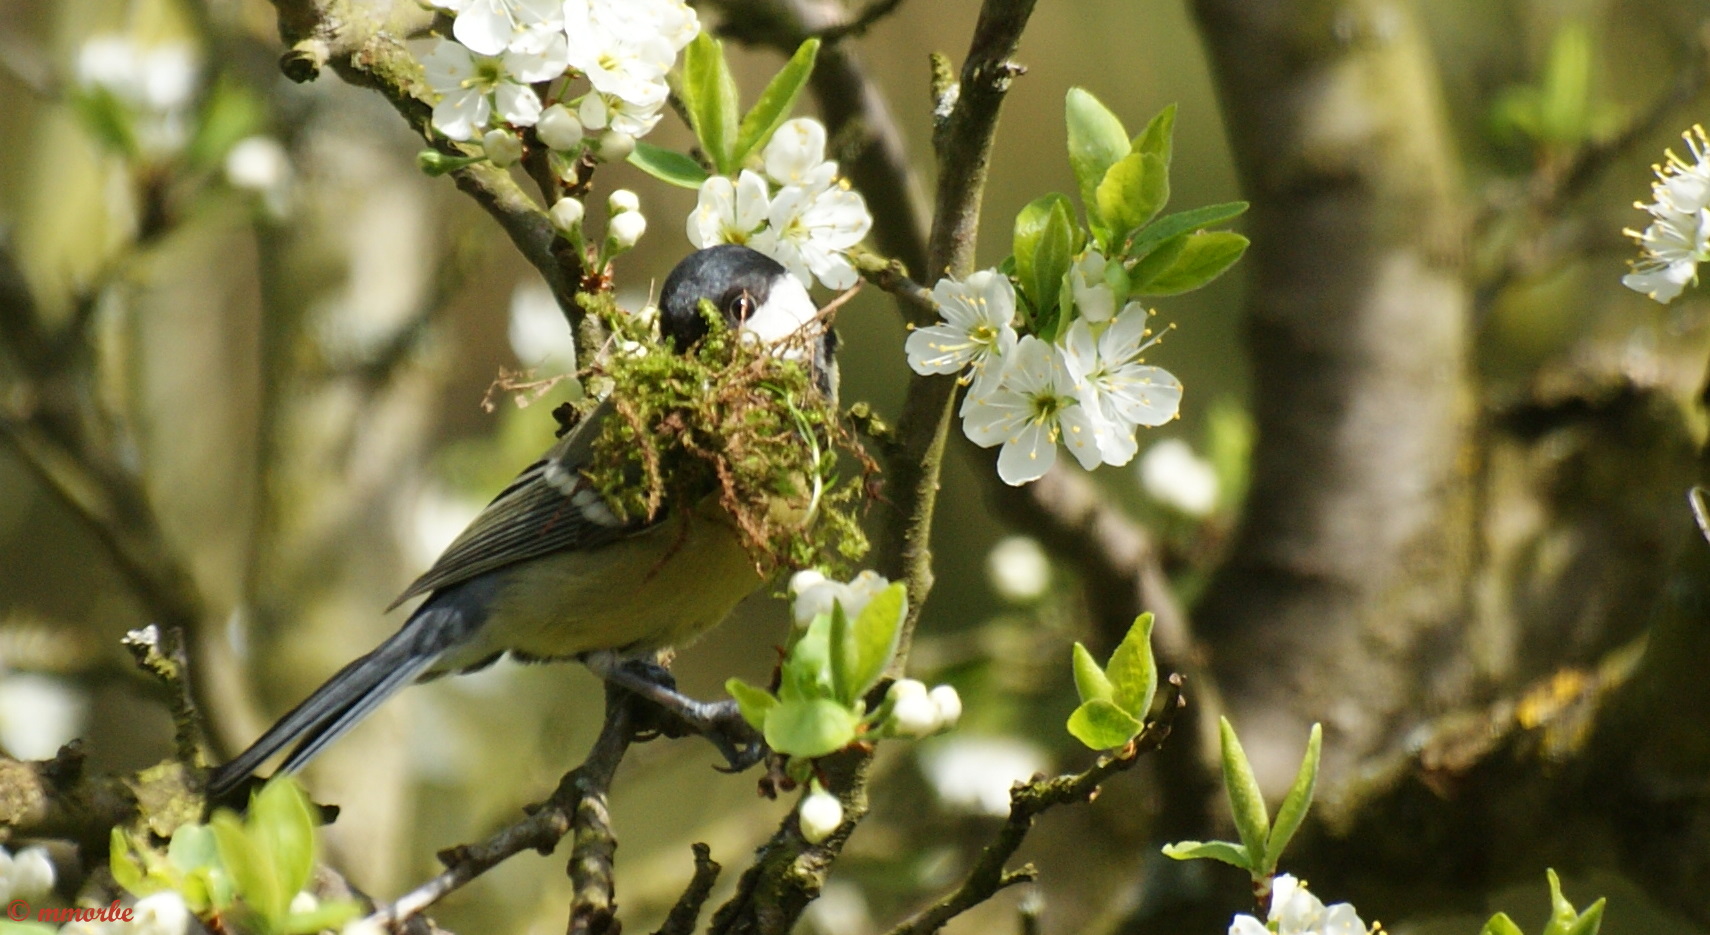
(674, 714)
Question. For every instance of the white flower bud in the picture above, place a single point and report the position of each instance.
(559, 128)
(819, 815)
(913, 713)
(612, 146)
(804, 579)
(626, 228)
(257, 164)
(622, 200)
(503, 148)
(304, 902)
(163, 913)
(30, 875)
(566, 215)
(949, 705)
(1018, 569)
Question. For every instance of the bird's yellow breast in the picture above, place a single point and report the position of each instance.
(663, 587)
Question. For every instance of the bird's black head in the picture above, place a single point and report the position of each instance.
(750, 289)
(753, 292)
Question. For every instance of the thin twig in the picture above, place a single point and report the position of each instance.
(1026, 802)
(687, 912)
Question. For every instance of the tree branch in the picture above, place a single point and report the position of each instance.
(1028, 801)
(577, 805)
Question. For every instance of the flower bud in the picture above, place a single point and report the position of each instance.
(559, 128)
(162, 913)
(948, 703)
(913, 713)
(31, 874)
(625, 229)
(622, 200)
(804, 579)
(503, 148)
(566, 215)
(612, 146)
(819, 815)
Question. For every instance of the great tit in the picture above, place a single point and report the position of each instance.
(548, 571)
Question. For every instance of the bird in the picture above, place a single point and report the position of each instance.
(548, 571)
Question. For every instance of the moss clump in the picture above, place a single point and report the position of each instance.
(731, 419)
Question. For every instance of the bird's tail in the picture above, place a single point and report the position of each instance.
(436, 627)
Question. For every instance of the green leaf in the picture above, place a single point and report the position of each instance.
(709, 95)
(1132, 193)
(1158, 136)
(1232, 854)
(282, 826)
(1565, 91)
(1564, 919)
(1132, 670)
(1101, 725)
(1096, 141)
(1500, 924)
(1183, 222)
(230, 113)
(250, 868)
(810, 728)
(193, 847)
(127, 870)
(870, 643)
(667, 165)
(1202, 257)
(1246, 802)
(1294, 805)
(1090, 680)
(776, 102)
(1044, 246)
(806, 672)
(754, 702)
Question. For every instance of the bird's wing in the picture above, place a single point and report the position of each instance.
(550, 507)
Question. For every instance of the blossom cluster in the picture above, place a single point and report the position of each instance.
(1089, 388)
(485, 74)
(1294, 911)
(799, 212)
(1678, 238)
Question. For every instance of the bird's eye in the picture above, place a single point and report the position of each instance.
(742, 306)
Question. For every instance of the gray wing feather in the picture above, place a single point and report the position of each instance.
(533, 516)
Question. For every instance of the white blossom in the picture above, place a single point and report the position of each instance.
(38, 714)
(473, 88)
(490, 27)
(622, 55)
(1172, 474)
(977, 332)
(631, 116)
(1294, 911)
(1121, 390)
(1033, 406)
(258, 164)
(819, 814)
(1678, 238)
(795, 155)
(810, 231)
(729, 212)
(156, 84)
(813, 594)
(1094, 299)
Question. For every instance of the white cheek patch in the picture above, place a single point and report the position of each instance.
(787, 309)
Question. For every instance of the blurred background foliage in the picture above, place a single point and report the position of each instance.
(293, 354)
